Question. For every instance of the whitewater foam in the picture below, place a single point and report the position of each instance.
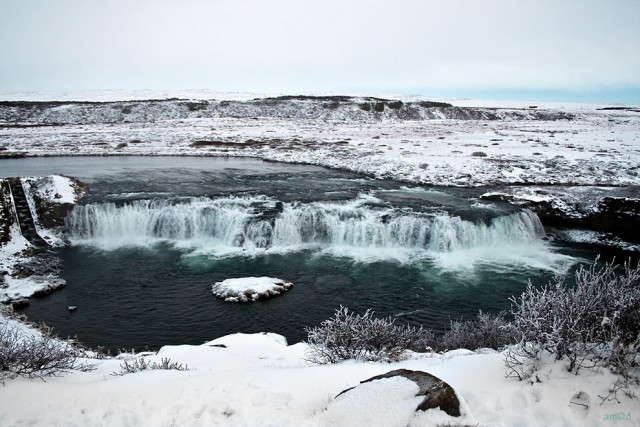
(364, 228)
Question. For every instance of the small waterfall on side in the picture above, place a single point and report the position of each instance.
(262, 223)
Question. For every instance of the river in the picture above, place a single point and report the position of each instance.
(154, 233)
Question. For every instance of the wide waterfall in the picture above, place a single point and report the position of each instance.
(261, 223)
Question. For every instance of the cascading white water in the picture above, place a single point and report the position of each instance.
(261, 223)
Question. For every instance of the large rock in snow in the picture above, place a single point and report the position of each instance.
(437, 393)
(247, 289)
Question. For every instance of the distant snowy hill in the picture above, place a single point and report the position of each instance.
(358, 109)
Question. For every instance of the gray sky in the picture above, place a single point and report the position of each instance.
(440, 48)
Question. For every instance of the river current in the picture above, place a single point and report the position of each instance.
(154, 233)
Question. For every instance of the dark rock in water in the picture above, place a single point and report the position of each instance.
(437, 393)
(617, 216)
(18, 303)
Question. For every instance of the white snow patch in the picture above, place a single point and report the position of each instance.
(53, 188)
(385, 402)
(29, 286)
(597, 238)
(248, 289)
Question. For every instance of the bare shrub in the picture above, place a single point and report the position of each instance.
(486, 331)
(363, 337)
(479, 154)
(597, 322)
(131, 366)
(36, 355)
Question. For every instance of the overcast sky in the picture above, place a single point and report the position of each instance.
(449, 48)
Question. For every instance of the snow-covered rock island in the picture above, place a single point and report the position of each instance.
(247, 289)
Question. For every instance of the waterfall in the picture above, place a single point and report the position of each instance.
(262, 223)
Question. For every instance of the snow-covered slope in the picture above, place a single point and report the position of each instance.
(257, 380)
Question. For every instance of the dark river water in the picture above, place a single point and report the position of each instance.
(155, 233)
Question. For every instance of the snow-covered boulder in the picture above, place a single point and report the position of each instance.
(247, 289)
(431, 391)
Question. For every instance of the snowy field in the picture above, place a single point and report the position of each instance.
(594, 147)
(258, 380)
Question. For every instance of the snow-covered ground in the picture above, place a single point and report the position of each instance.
(257, 380)
(409, 143)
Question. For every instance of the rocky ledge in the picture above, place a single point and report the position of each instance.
(27, 271)
(600, 216)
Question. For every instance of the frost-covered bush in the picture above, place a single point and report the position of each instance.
(485, 331)
(138, 364)
(595, 322)
(363, 337)
(36, 355)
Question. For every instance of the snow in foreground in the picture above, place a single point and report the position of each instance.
(258, 380)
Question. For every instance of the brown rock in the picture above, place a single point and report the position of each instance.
(437, 393)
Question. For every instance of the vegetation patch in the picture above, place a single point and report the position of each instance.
(139, 364)
(363, 337)
(594, 324)
(36, 354)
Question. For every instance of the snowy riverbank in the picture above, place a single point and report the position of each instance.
(257, 380)
(24, 274)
